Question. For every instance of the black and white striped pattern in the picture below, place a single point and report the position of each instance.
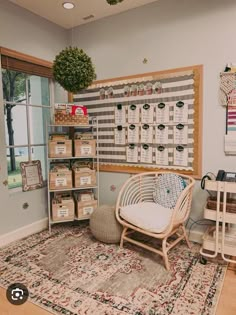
(174, 89)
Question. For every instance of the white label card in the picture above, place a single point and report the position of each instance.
(60, 149)
(85, 180)
(162, 113)
(162, 155)
(133, 114)
(132, 153)
(146, 154)
(63, 212)
(162, 134)
(86, 150)
(133, 134)
(146, 134)
(87, 210)
(60, 181)
(119, 136)
(180, 134)
(181, 156)
(120, 118)
(147, 114)
(181, 112)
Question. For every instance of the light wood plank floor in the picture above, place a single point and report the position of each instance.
(226, 305)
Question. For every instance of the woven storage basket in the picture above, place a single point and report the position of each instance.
(68, 119)
(230, 205)
(104, 226)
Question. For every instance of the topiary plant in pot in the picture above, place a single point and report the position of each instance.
(113, 2)
(73, 69)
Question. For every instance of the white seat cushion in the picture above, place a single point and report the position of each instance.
(148, 216)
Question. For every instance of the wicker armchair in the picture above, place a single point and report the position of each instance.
(136, 210)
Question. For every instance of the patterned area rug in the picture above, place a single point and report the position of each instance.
(69, 272)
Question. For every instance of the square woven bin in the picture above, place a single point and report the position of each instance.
(62, 179)
(84, 177)
(84, 209)
(61, 118)
(85, 148)
(63, 210)
(60, 148)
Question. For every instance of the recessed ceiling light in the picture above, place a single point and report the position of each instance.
(68, 5)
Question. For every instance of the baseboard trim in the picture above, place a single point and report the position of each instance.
(22, 232)
(195, 236)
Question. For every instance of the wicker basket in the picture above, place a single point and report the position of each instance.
(61, 118)
(230, 205)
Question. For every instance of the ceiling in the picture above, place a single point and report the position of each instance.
(53, 11)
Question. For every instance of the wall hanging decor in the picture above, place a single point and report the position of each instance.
(31, 173)
(149, 121)
(73, 69)
(228, 99)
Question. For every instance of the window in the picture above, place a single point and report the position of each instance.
(26, 109)
(25, 81)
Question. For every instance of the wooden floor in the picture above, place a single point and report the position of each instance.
(226, 305)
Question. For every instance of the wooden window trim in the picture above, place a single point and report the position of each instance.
(14, 60)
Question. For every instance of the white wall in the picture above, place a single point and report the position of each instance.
(27, 33)
(170, 34)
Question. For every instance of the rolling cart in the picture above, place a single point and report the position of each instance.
(222, 237)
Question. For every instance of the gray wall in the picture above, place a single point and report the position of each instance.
(27, 33)
(170, 34)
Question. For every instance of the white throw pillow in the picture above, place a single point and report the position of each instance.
(167, 189)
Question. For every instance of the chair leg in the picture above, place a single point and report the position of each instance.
(186, 236)
(122, 237)
(165, 257)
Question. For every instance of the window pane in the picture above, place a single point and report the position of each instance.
(60, 95)
(14, 86)
(15, 125)
(14, 157)
(38, 88)
(39, 153)
(38, 118)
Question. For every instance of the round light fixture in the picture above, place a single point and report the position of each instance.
(68, 5)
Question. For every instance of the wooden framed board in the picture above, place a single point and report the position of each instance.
(150, 121)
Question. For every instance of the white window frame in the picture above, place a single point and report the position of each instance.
(30, 145)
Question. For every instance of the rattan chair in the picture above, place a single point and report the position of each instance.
(135, 204)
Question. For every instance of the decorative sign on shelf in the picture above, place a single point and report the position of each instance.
(149, 121)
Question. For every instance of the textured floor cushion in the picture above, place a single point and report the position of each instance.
(104, 226)
(148, 216)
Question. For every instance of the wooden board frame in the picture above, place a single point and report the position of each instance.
(197, 136)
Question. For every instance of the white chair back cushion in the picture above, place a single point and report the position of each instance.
(167, 189)
(148, 216)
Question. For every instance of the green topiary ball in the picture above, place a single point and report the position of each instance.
(73, 69)
(113, 2)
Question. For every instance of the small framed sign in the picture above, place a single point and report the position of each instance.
(31, 173)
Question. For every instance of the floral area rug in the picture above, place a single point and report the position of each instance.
(69, 272)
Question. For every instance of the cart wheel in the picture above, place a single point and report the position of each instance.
(203, 260)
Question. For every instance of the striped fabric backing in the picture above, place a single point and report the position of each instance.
(174, 89)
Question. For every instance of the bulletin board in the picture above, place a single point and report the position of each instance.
(150, 121)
